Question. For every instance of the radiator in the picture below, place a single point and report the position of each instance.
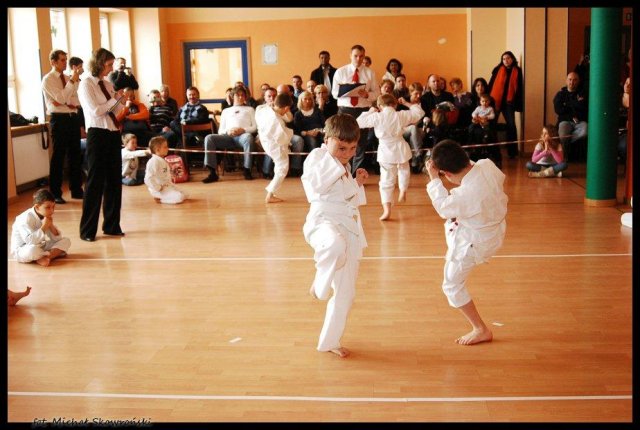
(30, 160)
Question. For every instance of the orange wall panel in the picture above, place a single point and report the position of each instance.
(424, 44)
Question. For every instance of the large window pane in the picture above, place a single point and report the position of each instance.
(104, 31)
(58, 30)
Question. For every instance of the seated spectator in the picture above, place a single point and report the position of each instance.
(34, 237)
(168, 100)
(160, 116)
(570, 104)
(122, 77)
(308, 122)
(462, 101)
(394, 68)
(401, 90)
(325, 103)
(433, 96)
(414, 133)
(134, 118)
(481, 127)
(438, 128)
(311, 85)
(366, 61)
(193, 112)
(548, 158)
(250, 100)
(236, 131)
(296, 81)
(228, 99)
(132, 174)
(263, 88)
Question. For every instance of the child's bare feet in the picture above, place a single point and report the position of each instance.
(13, 297)
(271, 198)
(44, 261)
(386, 212)
(402, 197)
(342, 352)
(475, 336)
(312, 292)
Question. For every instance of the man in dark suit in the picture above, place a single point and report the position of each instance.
(324, 73)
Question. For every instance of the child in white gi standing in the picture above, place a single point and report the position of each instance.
(34, 237)
(157, 175)
(475, 212)
(131, 175)
(275, 138)
(333, 226)
(394, 152)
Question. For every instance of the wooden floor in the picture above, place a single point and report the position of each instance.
(202, 314)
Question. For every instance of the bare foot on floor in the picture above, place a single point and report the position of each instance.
(312, 292)
(402, 197)
(475, 336)
(342, 352)
(44, 261)
(272, 199)
(13, 297)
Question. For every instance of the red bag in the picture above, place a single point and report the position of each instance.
(179, 172)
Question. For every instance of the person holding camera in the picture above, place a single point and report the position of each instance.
(122, 77)
(61, 98)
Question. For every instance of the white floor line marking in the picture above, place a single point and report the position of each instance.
(235, 339)
(322, 399)
(410, 257)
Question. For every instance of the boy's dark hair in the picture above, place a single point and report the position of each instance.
(450, 156)
(324, 52)
(282, 100)
(55, 54)
(43, 195)
(155, 143)
(75, 61)
(358, 47)
(343, 127)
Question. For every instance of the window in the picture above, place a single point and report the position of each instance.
(213, 67)
(104, 31)
(58, 29)
(11, 78)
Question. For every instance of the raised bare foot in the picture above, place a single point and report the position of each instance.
(341, 352)
(272, 199)
(44, 261)
(312, 292)
(13, 297)
(475, 336)
(402, 197)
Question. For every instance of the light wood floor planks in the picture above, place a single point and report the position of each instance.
(152, 314)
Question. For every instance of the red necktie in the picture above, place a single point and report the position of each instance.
(108, 96)
(64, 83)
(356, 80)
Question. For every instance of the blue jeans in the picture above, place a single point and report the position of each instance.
(214, 142)
(535, 167)
(296, 145)
(139, 179)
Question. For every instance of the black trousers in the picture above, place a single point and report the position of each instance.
(65, 131)
(358, 159)
(103, 181)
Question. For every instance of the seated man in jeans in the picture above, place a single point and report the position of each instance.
(570, 104)
(237, 131)
(193, 112)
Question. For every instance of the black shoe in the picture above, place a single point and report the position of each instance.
(88, 238)
(77, 194)
(295, 173)
(247, 174)
(415, 169)
(267, 175)
(213, 177)
(60, 200)
(116, 233)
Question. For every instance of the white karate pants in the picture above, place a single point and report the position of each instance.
(337, 260)
(29, 253)
(388, 174)
(280, 157)
(170, 195)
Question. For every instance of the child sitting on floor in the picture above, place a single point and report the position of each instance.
(158, 174)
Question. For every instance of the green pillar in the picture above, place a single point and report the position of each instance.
(604, 94)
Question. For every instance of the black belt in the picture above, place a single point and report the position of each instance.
(64, 113)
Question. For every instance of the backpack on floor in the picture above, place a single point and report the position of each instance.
(179, 172)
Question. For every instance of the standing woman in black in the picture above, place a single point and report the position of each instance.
(506, 89)
(100, 104)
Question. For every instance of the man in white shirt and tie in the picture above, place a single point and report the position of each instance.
(61, 99)
(356, 72)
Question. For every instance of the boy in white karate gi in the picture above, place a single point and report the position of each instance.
(34, 237)
(394, 152)
(333, 227)
(475, 212)
(157, 174)
(275, 138)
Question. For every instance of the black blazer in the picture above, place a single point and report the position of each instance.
(318, 76)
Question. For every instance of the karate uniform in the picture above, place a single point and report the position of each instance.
(29, 242)
(333, 228)
(275, 138)
(475, 227)
(394, 152)
(157, 177)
